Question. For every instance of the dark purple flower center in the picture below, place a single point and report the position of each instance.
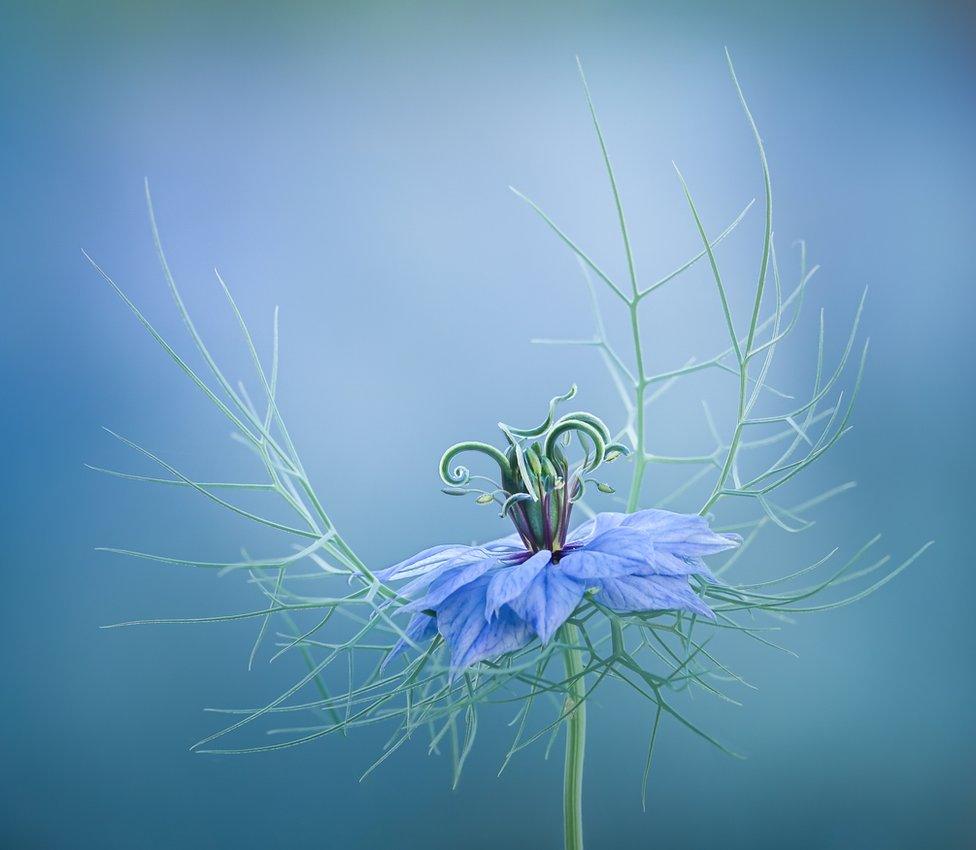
(542, 515)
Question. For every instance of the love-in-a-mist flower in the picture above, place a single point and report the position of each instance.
(492, 599)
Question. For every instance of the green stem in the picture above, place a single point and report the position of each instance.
(640, 452)
(734, 443)
(575, 742)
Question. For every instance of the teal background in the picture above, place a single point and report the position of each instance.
(350, 164)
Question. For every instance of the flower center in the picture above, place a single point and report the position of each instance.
(550, 488)
(539, 484)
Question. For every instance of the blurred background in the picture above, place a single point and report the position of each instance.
(350, 163)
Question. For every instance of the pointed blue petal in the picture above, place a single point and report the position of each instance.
(470, 555)
(461, 621)
(619, 551)
(505, 633)
(462, 617)
(628, 551)
(596, 526)
(420, 629)
(651, 593)
(548, 601)
(686, 535)
(667, 564)
(422, 562)
(451, 581)
(509, 582)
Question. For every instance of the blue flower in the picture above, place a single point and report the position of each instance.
(489, 600)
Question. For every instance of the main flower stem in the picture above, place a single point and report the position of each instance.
(575, 742)
(640, 451)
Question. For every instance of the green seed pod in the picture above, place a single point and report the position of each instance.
(534, 463)
(485, 499)
(550, 470)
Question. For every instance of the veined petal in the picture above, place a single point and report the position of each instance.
(420, 629)
(470, 555)
(596, 526)
(628, 551)
(451, 581)
(686, 535)
(422, 562)
(505, 633)
(461, 621)
(651, 593)
(509, 582)
(667, 564)
(619, 551)
(548, 601)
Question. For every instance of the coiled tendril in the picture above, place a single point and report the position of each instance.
(547, 422)
(538, 485)
(461, 475)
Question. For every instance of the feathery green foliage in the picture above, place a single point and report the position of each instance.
(323, 603)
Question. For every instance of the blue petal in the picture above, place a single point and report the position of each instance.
(617, 552)
(668, 543)
(627, 551)
(505, 633)
(461, 621)
(451, 581)
(548, 601)
(666, 564)
(422, 562)
(469, 555)
(461, 616)
(421, 628)
(596, 526)
(685, 535)
(510, 582)
(651, 593)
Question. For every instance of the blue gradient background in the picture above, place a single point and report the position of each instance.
(351, 164)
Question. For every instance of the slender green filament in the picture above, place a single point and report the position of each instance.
(575, 740)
